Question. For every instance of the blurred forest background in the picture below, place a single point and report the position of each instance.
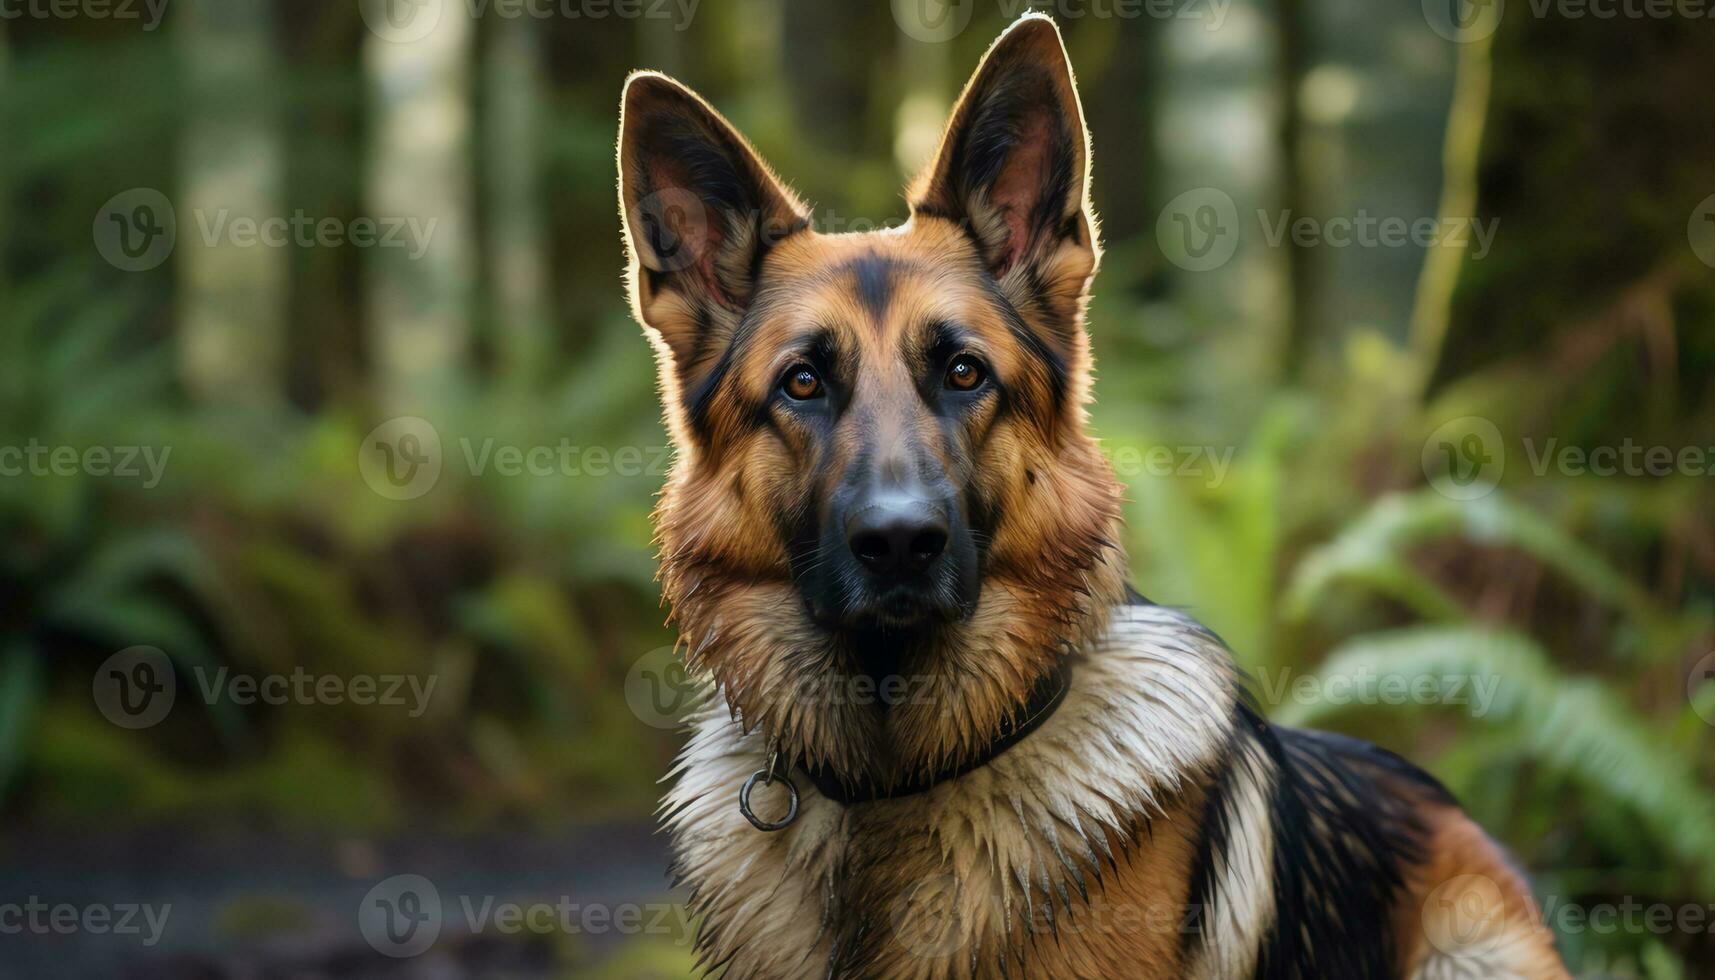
(1325, 370)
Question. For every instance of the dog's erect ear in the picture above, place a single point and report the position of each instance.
(700, 211)
(1013, 166)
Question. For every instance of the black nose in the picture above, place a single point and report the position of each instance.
(896, 534)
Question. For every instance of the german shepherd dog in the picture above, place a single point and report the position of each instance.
(949, 740)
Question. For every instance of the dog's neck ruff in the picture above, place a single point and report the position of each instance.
(1147, 715)
(1045, 698)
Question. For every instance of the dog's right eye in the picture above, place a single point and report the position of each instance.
(801, 383)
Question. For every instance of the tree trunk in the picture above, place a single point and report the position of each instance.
(1128, 171)
(322, 46)
(511, 122)
(232, 284)
(584, 66)
(1594, 280)
(1303, 271)
(418, 182)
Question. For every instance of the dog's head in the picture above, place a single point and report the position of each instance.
(883, 466)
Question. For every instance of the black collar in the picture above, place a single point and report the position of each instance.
(1045, 698)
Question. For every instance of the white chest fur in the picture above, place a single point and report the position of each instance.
(1149, 710)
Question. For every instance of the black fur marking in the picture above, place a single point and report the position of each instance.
(700, 398)
(1334, 889)
(1058, 374)
(874, 280)
(1335, 893)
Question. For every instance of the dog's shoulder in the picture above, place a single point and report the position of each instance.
(1327, 856)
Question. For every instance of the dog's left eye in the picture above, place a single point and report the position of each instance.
(801, 383)
(965, 373)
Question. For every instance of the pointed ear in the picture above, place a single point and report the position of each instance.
(1013, 168)
(700, 211)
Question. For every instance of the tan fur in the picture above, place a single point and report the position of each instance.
(1468, 913)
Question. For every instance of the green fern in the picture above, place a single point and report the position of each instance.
(1571, 725)
(1371, 553)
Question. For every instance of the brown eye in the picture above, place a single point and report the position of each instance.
(964, 374)
(801, 382)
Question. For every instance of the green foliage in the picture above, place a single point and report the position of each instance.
(1570, 726)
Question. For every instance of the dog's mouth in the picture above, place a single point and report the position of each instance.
(852, 605)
